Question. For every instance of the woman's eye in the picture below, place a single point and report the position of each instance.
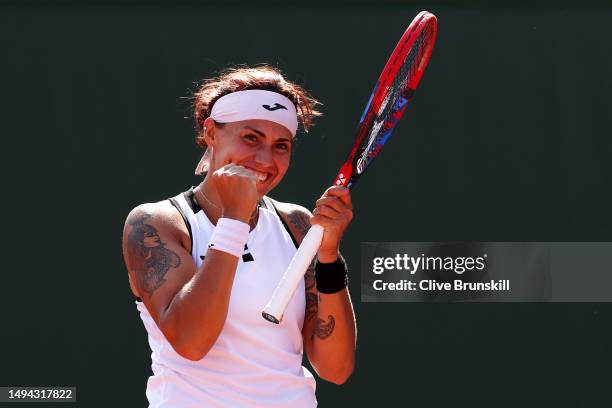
(282, 146)
(250, 138)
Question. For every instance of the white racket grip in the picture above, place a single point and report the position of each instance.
(298, 266)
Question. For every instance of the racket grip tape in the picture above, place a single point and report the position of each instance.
(298, 266)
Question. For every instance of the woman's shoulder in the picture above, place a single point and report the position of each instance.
(162, 215)
(161, 211)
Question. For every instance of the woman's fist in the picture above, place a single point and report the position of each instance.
(237, 190)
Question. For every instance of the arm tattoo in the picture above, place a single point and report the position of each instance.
(149, 256)
(312, 299)
(324, 329)
(300, 221)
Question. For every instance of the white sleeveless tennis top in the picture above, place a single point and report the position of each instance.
(254, 363)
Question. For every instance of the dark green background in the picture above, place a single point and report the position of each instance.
(508, 139)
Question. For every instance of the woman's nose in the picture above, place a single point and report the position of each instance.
(264, 155)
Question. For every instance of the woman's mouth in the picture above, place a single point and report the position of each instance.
(261, 177)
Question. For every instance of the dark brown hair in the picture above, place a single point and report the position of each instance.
(243, 78)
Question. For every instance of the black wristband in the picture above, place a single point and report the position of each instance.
(331, 277)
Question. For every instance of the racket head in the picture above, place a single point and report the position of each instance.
(392, 93)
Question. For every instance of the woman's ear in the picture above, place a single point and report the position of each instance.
(209, 131)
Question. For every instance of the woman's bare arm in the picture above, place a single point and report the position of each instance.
(329, 330)
(188, 304)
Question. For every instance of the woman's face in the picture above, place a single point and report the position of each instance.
(259, 145)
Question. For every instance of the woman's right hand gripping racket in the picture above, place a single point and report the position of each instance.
(393, 90)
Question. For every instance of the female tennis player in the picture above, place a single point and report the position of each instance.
(203, 263)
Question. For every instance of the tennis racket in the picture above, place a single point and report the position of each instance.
(393, 91)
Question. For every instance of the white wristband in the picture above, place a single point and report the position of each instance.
(230, 236)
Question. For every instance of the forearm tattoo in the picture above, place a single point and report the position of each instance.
(149, 257)
(324, 329)
(312, 299)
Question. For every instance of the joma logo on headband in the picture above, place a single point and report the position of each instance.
(276, 106)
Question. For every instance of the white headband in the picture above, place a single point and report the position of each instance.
(256, 104)
(251, 104)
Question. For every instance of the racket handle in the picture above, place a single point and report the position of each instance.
(298, 266)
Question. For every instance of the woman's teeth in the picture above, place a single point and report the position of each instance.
(261, 177)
